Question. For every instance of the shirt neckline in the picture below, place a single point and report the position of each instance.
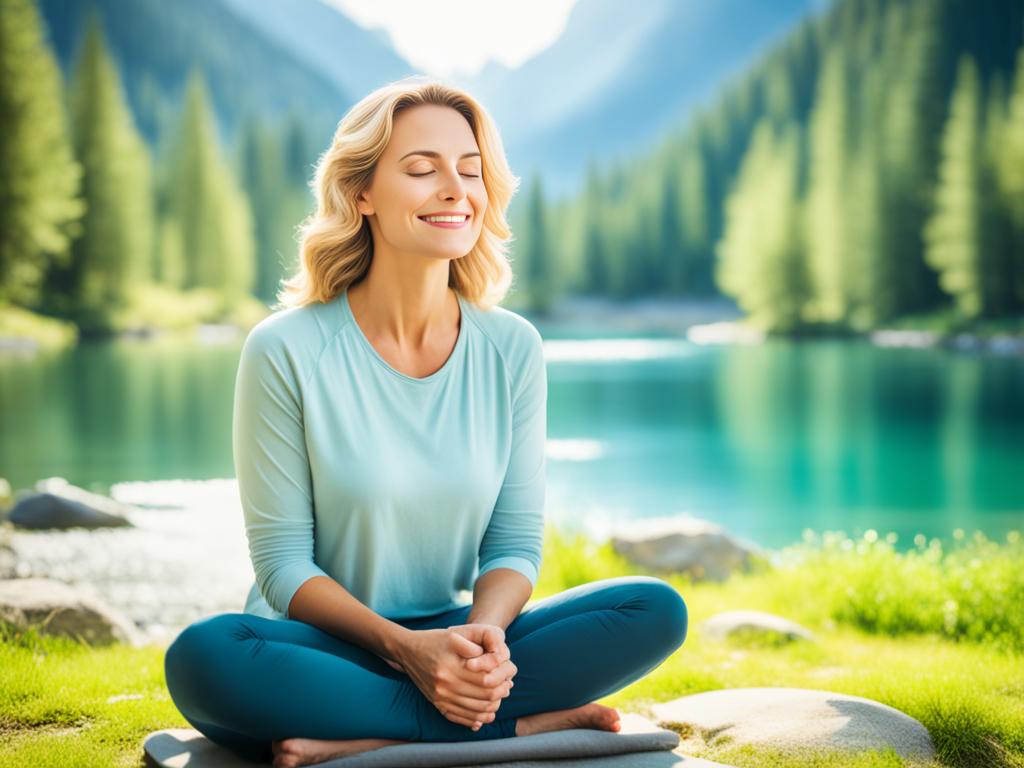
(460, 342)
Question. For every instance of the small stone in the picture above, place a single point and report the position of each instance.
(759, 624)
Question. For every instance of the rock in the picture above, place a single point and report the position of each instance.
(8, 562)
(1005, 344)
(724, 332)
(793, 719)
(47, 510)
(965, 342)
(682, 544)
(761, 625)
(903, 338)
(57, 608)
(58, 486)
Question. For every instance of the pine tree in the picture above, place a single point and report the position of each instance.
(113, 253)
(909, 122)
(271, 196)
(671, 255)
(1011, 174)
(997, 278)
(761, 253)
(694, 203)
(595, 245)
(209, 215)
(870, 273)
(39, 177)
(957, 234)
(827, 233)
(539, 265)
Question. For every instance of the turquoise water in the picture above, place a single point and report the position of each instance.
(766, 440)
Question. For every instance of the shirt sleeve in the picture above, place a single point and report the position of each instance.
(515, 534)
(274, 480)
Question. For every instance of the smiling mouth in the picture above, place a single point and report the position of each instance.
(446, 224)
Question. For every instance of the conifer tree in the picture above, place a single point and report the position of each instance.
(39, 176)
(694, 204)
(826, 220)
(211, 219)
(761, 260)
(534, 251)
(112, 255)
(1011, 174)
(958, 233)
(270, 194)
(596, 253)
(672, 256)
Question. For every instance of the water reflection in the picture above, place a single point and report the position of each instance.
(766, 439)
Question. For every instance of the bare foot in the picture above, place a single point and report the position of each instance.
(591, 715)
(291, 753)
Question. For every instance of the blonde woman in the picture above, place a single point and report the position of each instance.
(389, 430)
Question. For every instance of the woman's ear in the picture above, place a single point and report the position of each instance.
(363, 205)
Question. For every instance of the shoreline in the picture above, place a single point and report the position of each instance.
(714, 320)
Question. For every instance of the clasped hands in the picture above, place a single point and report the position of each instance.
(465, 670)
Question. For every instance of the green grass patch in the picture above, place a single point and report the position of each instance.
(884, 620)
(47, 332)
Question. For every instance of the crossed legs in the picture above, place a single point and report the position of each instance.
(244, 681)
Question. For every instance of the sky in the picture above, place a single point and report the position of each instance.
(459, 36)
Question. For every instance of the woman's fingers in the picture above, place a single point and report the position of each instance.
(475, 700)
(453, 715)
(488, 679)
(469, 709)
(488, 661)
(465, 647)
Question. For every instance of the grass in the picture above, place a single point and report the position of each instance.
(45, 332)
(934, 632)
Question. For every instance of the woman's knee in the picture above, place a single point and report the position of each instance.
(665, 609)
(193, 650)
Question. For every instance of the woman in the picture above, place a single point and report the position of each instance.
(388, 435)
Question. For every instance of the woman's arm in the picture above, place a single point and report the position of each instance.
(498, 597)
(326, 604)
(275, 485)
(511, 548)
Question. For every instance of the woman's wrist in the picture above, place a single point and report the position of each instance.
(396, 640)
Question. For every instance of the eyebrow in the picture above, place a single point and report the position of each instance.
(431, 153)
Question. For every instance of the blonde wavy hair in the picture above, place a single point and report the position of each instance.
(336, 245)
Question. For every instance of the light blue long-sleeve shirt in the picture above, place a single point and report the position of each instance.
(404, 490)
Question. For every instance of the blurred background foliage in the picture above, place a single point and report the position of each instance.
(869, 166)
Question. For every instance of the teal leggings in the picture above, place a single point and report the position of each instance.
(244, 681)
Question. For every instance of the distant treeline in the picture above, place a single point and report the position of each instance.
(869, 167)
(96, 228)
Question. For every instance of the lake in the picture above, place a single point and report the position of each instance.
(765, 439)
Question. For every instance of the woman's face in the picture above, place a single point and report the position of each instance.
(408, 185)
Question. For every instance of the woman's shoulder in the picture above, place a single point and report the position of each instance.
(513, 334)
(300, 333)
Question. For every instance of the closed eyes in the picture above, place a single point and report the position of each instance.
(467, 175)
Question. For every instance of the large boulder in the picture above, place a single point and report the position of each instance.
(757, 625)
(56, 608)
(58, 504)
(683, 544)
(792, 719)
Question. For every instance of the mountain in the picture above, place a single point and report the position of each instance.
(616, 80)
(155, 44)
(355, 59)
(619, 76)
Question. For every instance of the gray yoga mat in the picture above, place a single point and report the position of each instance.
(639, 744)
